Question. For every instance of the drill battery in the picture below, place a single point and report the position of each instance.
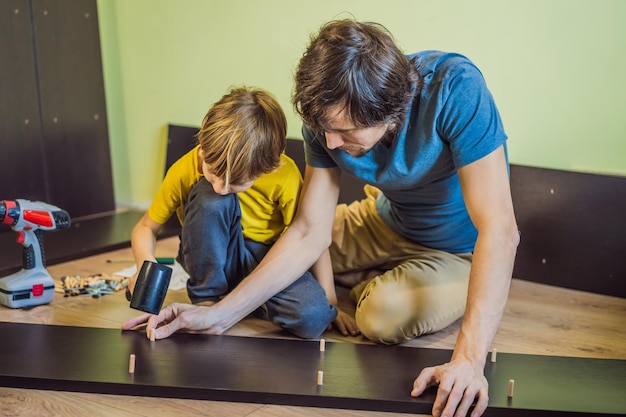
(27, 288)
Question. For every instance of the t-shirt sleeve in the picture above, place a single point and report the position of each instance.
(166, 200)
(315, 151)
(176, 186)
(469, 119)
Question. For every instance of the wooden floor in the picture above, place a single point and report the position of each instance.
(539, 319)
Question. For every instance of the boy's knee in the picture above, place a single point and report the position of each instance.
(205, 208)
(302, 308)
(307, 321)
(314, 320)
(209, 201)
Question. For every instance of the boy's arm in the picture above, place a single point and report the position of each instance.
(176, 185)
(143, 244)
(322, 270)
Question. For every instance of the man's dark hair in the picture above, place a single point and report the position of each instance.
(358, 66)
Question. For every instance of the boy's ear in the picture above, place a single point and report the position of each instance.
(200, 160)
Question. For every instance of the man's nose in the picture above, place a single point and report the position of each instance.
(333, 140)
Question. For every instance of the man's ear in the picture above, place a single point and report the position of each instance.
(389, 134)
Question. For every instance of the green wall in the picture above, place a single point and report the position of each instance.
(555, 67)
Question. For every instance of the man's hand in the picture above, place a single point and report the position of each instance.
(460, 383)
(175, 317)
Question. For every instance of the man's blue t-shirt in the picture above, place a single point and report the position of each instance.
(452, 122)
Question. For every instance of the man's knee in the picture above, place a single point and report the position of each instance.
(379, 322)
(389, 314)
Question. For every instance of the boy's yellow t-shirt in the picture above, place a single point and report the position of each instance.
(267, 207)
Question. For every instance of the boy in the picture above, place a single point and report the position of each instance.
(231, 220)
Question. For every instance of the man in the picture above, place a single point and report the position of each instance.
(425, 131)
(435, 238)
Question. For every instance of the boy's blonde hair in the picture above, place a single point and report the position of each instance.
(243, 135)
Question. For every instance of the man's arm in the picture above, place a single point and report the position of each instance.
(487, 195)
(293, 254)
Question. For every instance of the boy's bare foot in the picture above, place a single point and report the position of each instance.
(352, 279)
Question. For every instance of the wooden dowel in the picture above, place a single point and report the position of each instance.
(511, 388)
(131, 364)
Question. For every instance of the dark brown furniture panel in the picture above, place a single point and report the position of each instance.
(54, 143)
(22, 163)
(73, 110)
(279, 371)
(573, 229)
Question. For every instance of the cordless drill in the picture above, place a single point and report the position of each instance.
(32, 285)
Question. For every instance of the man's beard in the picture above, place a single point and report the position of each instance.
(359, 151)
(355, 151)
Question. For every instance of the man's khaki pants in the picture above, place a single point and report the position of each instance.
(421, 290)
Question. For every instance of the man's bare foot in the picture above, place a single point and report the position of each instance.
(352, 279)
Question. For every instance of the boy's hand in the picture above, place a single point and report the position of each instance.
(132, 281)
(345, 324)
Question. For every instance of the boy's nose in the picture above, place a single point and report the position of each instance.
(220, 189)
